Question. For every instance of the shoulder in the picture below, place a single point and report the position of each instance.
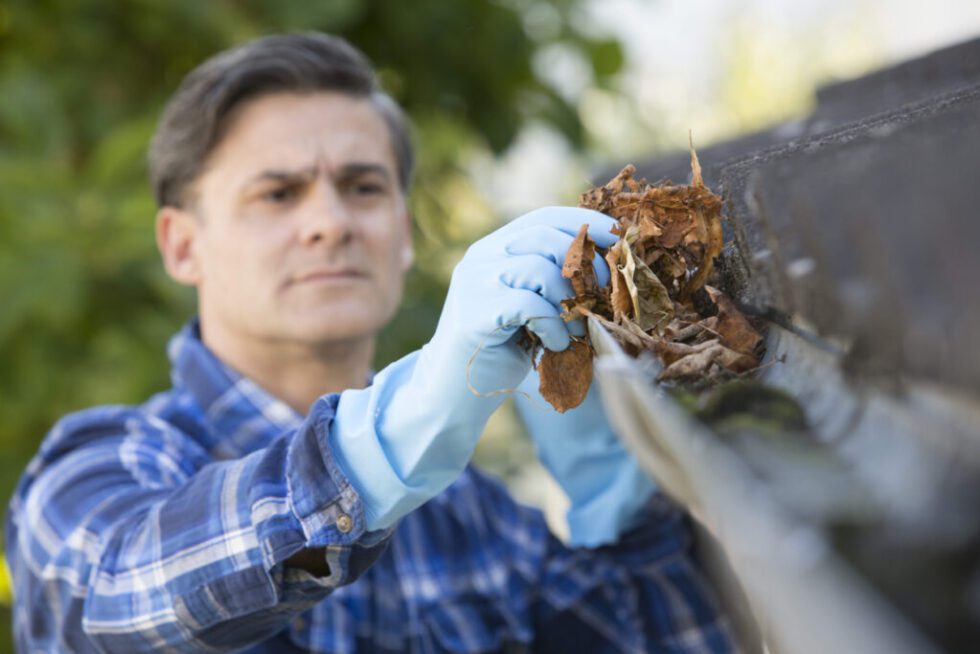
(96, 424)
(121, 437)
(93, 457)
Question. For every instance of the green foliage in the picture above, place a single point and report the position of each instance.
(86, 308)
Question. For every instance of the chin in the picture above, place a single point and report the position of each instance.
(340, 323)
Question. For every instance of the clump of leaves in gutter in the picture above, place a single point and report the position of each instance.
(657, 299)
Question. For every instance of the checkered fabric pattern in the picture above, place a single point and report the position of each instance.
(166, 527)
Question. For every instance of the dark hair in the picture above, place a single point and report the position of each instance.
(196, 117)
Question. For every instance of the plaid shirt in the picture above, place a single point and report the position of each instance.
(165, 527)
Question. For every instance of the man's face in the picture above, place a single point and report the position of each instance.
(302, 228)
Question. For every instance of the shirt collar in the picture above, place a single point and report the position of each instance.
(240, 415)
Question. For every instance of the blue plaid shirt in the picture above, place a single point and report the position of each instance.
(165, 527)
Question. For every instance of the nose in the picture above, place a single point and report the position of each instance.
(326, 219)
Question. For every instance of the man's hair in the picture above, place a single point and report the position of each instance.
(197, 116)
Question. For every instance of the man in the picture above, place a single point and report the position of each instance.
(280, 499)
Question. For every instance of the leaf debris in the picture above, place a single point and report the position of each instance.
(658, 299)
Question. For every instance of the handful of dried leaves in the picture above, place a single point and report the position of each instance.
(658, 300)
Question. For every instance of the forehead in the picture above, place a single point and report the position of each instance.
(287, 130)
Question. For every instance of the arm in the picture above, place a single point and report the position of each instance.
(404, 439)
(638, 584)
(607, 489)
(130, 539)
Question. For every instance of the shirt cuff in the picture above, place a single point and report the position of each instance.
(327, 506)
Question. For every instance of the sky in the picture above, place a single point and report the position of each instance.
(715, 67)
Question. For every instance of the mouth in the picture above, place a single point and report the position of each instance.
(328, 276)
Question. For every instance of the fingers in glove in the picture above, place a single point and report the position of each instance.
(576, 327)
(569, 220)
(525, 307)
(538, 274)
(552, 244)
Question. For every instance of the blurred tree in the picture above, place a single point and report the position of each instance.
(85, 308)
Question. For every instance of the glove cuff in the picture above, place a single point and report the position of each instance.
(405, 438)
(359, 449)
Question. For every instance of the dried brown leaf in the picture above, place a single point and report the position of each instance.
(734, 330)
(708, 219)
(652, 307)
(627, 333)
(735, 361)
(578, 264)
(619, 299)
(566, 375)
(696, 179)
(649, 227)
(693, 365)
(675, 229)
(600, 198)
(669, 351)
(698, 364)
(680, 332)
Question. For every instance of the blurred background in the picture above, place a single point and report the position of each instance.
(515, 103)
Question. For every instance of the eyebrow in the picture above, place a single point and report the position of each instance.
(351, 170)
(347, 171)
(288, 176)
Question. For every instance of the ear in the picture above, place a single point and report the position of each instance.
(408, 249)
(177, 232)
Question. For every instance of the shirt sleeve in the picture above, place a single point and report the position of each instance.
(125, 536)
(644, 593)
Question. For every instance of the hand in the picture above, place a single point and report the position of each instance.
(605, 484)
(405, 438)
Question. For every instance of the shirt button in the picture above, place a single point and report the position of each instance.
(344, 523)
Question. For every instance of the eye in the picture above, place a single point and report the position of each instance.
(280, 194)
(368, 188)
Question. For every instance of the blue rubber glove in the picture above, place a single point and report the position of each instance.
(409, 435)
(607, 488)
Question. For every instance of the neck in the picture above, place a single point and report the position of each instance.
(296, 373)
